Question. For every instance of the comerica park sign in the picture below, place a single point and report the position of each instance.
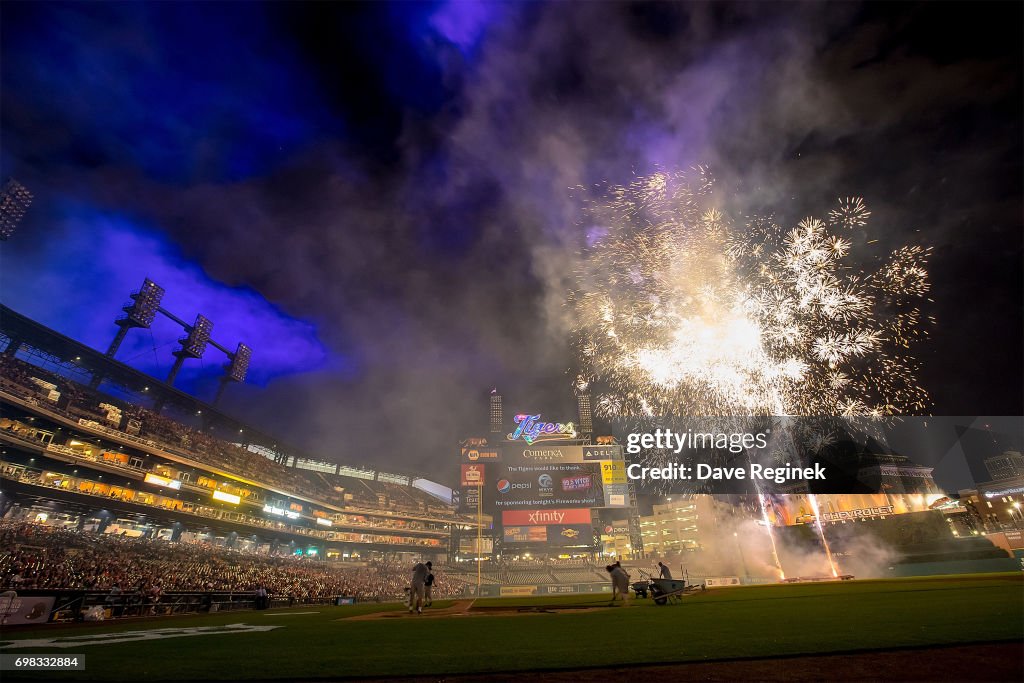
(530, 428)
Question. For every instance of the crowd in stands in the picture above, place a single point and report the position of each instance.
(47, 557)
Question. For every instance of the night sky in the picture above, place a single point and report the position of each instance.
(377, 197)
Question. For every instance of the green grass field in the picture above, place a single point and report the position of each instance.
(756, 621)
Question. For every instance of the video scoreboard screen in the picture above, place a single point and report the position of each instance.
(542, 493)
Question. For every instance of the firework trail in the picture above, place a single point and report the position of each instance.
(771, 536)
(682, 312)
(821, 533)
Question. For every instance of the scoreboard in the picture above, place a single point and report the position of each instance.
(542, 493)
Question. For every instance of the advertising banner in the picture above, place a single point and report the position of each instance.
(469, 499)
(25, 610)
(480, 454)
(473, 475)
(574, 534)
(517, 591)
(857, 513)
(550, 485)
(540, 453)
(785, 510)
(470, 546)
(555, 534)
(619, 527)
(526, 534)
(615, 495)
(1012, 539)
(602, 453)
(613, 471)
(545, 517)
(720, 581)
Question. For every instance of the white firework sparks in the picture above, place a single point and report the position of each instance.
(682, 312)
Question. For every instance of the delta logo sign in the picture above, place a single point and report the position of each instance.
(531, 429)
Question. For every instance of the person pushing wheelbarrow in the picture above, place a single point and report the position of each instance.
(620, 582)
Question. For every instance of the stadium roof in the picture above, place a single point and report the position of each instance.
(71, 357)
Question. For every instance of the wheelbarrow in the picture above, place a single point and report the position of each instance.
(665, 591)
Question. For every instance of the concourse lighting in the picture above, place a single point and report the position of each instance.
(227, 497)
(162, 481)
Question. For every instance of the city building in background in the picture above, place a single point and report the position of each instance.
(1006, 465)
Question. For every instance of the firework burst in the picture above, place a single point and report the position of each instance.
(682, 311)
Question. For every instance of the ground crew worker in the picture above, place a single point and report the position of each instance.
(417, 587)
(620, 582)
(428, 586)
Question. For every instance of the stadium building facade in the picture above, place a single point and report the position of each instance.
(90, 443)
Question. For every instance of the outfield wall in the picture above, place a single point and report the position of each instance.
(988, 566)
(496, 590)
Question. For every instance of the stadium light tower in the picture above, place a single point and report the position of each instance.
(239, 366)
(193, 345)
(140, 312)
(14, 202)
(586, 414)
(236, 370)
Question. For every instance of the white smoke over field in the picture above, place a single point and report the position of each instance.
(867, 557)
(859, 553)
(733, 544)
